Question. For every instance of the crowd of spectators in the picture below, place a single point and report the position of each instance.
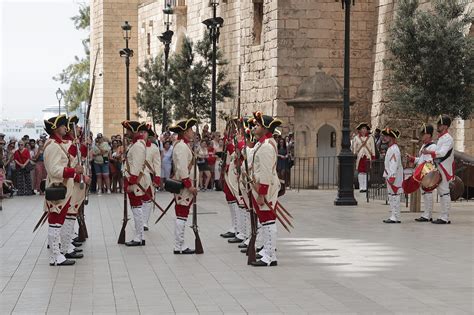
(22, 169)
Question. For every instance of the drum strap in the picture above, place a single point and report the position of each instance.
(444, 158)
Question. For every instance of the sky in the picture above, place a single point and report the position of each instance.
(37, 40)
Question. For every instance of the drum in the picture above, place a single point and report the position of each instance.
(456, 188)
(431, 177)
(410, 185)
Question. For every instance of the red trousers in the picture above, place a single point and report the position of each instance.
(228, 194)
(263, 216)
(182, 211)
(58, 218)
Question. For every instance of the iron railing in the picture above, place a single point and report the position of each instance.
(314, 173)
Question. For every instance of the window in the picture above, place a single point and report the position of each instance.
(257, 21)
(333, 139)
(148, 43)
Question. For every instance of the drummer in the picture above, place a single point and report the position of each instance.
(426, 134)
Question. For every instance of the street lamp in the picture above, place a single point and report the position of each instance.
(59, 97)
(345, 192)
(127, 53)
(213, 25)
(165, 38)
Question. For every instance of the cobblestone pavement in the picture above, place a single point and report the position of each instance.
(336, 260)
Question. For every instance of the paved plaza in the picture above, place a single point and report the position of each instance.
(336, 260)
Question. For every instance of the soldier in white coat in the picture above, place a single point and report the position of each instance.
(60, 175)
(426, 133)
(184, 171)
(152, 170)
(266, 185)
(393, 173)
(135, 174)
(363, 146)
(443, 156)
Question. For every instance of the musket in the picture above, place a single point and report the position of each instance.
(87, 120)
(253, 216)
(41, 220)
(121, 239)
(197, 239)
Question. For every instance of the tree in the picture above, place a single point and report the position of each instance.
(151, 90)
(432, 63)
(190, 74)
(76, 75)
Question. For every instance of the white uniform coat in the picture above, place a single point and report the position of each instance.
(56, 159)
(264, 160)
(183, 164)
(135, 166)
(443, 147)
(393, 166)
(361, 149)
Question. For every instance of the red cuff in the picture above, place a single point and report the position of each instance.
(157, 180)
(132, 180)
(77, 178)
(372, 157)
(391, 180)
(263, 189)
(69, 172)
(433, 154)
(187, 182)
(412, 159)
(83, 150)
(72, 150)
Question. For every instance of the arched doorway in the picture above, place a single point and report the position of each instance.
(326, 151)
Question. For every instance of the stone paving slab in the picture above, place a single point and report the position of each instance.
(336, 260)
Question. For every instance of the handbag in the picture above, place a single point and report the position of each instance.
(173, 186)
(55, 192)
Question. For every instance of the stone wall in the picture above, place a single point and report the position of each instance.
(108, 107)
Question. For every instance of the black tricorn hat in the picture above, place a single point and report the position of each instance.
(362, 125)
(71, 121)
(426, 129)
(394, 133)
(268, 122)
(53, 123)
(149, 128)
(134, 126)
(444, 120)
(183, 125)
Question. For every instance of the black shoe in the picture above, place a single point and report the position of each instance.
(76, 244)
(184, 252)
(390, 221)
(258, 256)
(77, 250)
(362, 191)
(143, 242)
(228, 235)
(260, 263)
(77, 239)
(423, 219)
(259, 248)
(67, 262)
(74, 255)
(441, 221)
(244, 250)
(145, 228)
(235, 240)
(242, 245)
(135, 243)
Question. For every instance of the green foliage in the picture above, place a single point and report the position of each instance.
(190, 74)
(151, 88)
(76, 75)
(432, 63)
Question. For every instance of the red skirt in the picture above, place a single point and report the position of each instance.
(362, 167)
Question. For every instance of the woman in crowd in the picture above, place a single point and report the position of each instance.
(23, 177)
(211, 161)
(115, 165)
(166, 161)
(40, 170)
(203, 166)
(282, 163)
(101, 163)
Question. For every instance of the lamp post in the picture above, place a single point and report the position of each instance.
(127, 53)
(166, 38)
(213, 25)
(59, 97)
(345, 192)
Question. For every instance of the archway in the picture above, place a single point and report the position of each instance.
(326, 151)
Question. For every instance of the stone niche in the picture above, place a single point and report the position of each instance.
(318, 106)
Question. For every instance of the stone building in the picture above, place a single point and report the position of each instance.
(277, 45)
